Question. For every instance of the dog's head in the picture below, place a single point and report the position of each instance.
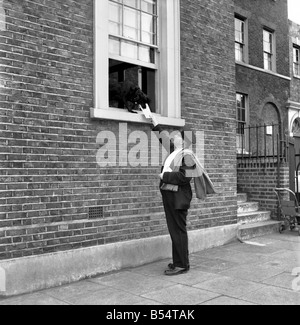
(137, 97)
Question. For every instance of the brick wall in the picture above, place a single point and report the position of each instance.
(49, 177)
(259, 183)
(263, 88)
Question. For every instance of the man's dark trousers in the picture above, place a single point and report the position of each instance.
(177, 221)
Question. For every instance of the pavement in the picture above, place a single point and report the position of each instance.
(261, 271)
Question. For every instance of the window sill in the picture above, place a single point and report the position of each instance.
(262, 70)
(124, 116)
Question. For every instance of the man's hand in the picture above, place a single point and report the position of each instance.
(154, 120)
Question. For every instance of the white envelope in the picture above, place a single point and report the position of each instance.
(146, 111)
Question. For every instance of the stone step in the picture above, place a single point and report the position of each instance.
(242, 197)
(247, 207)
(252, 217)
(258, 229)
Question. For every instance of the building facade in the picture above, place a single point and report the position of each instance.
(294, 102)
(262, 93)
(79, 192)
(262, 74)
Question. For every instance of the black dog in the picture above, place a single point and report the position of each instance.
(129, 98)
(134, 98)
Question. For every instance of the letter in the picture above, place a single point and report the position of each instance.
(138, 154)
(137, 317)
(190, 314)
(2, 280)
(109, 316)
(2, 17)
(123, 145)
(153, 314)
(182, 315)
(107, 154)
(155, 149)
(200, 147)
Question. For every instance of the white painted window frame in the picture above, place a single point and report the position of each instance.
(295, 48)
(246, 37)
(273, 53)
(169, 69)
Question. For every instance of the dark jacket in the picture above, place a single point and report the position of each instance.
(183, 195)
(178, 183)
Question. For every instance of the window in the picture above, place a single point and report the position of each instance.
(240, 39)
(242, 121)
(132, 48)
(296, 61)
(137, 43)
(268, 40)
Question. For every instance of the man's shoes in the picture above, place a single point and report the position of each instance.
(171, 266)
(176, 271)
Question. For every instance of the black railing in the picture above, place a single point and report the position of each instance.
(261, 144)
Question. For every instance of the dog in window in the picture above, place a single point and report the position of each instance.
(128, 97)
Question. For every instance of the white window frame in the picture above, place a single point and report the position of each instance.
(245, 136)
(273, 50)
(295, 62)
(245, 44)
(169, 70)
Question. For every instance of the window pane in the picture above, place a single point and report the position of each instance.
(267, 61)
(296, 69)
(131, 24)
(129, 50)
(114, 46)
(149, 6)
(132, 3)
(147, 29)
(268, 40)
(145, 54)
(239, 52)
(239, 30)
(296, 55)
(115, 19)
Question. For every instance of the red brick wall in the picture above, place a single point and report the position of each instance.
(49, 175)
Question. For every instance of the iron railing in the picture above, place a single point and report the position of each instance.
(262, 144)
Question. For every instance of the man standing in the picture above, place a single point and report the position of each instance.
(180, 167)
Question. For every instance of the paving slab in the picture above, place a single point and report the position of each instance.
(228, 286)
(216, 265)
(137, 284)
(254, 273)
(273, 296)
(36, 299)
(284, 280)
(106, 296)
(181, 295)
(74, 290)
(227, 301)
(195, 276)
